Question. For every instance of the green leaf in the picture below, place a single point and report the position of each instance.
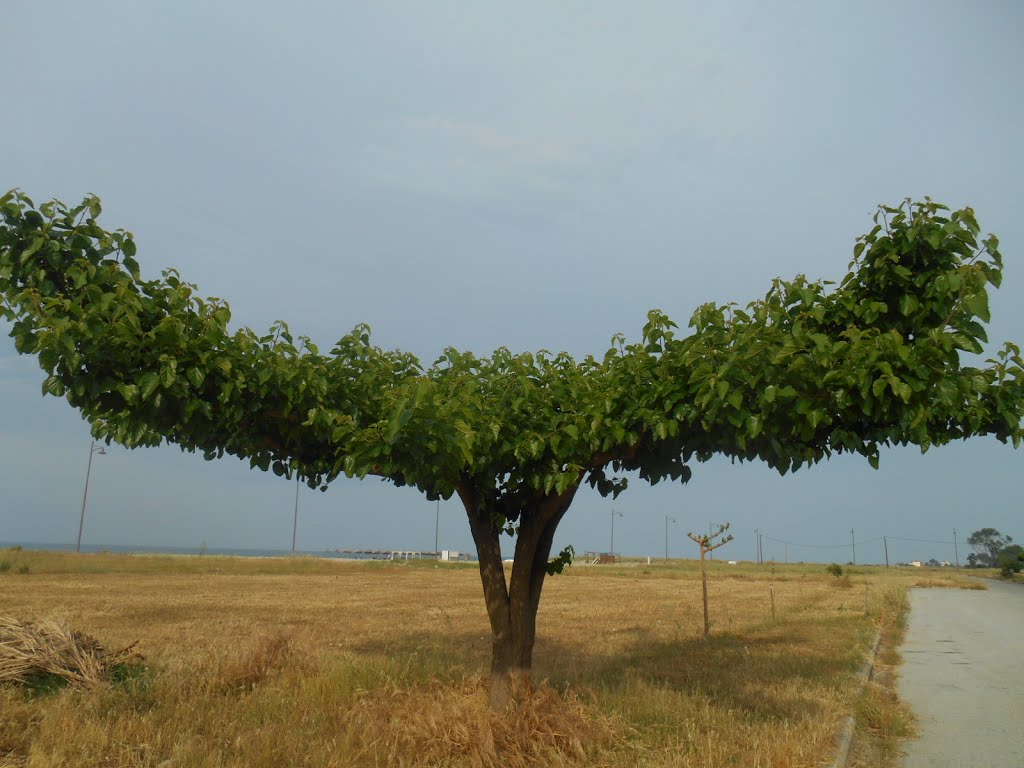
(557, 564)
(977, 305)
(908, 303)
(148, 383)
(132, 266)
(168, 372)
(53, 386)
(33, 248)
(196, 377)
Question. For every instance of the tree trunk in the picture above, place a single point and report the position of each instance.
(704, 589)
(512, 606)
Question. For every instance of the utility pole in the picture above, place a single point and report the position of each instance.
(885, 543)
(757, 546)
(437, 527)
(853, 545)
(295, 520)
(93, 448)
(611, 544)
(956, 551)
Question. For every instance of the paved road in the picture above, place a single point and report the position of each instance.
(963, 674)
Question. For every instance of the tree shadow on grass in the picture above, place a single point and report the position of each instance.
(773, 671)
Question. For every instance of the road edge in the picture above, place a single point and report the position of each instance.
(845, 741)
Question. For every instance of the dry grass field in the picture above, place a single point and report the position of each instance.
(307, 662)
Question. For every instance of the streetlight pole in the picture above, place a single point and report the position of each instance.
(93, 448)
(667, 521)
(612, 543)
(295, 520)
(956, 551)
(437, 527)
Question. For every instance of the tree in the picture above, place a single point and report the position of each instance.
(1011, 560)
(811, 370)
(704, 541)
(987, 543)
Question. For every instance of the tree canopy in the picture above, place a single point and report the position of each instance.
(987, 544)
(808, 371)
(1011, 560)
(813, 369)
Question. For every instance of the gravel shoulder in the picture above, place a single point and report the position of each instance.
(962, 675)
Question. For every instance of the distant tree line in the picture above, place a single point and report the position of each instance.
(993, 549)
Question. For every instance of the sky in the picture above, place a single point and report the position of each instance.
(530, 175)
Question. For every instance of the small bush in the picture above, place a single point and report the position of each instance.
(1010, 561)
(23, 568)
(835, 569)
(5, 565)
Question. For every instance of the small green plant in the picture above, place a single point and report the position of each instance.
(835, 569)
(5, 565)
(45, 684)
(23, 568)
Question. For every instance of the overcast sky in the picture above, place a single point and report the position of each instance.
(533, 175)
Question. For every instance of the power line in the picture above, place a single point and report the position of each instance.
(921, 541)
(821, 546)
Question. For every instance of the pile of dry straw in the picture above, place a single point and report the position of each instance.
(30, 650)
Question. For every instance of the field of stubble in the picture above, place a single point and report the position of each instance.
(324, 663)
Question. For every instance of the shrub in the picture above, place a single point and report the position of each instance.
(1011, 560)
(835, 569)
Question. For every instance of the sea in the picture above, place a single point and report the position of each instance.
(151, 549)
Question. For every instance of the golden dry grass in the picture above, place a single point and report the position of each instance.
(31, 651)
(323, 663)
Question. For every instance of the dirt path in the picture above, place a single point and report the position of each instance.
(964, 678)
